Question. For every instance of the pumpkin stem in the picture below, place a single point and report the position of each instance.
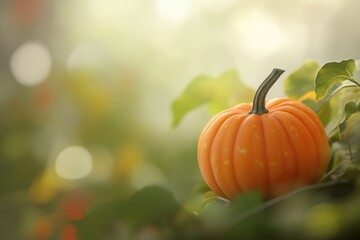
(260, 95)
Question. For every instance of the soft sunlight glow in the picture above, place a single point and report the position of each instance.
(297, 39)
(102, 9)
(330, 7)
(259, 35)
(173, 10)
(215, 6)
(86, 56)
(31, 63)
(73, 163)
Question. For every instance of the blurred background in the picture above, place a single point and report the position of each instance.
(86, 88)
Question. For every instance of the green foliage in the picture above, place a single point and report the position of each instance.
(218, 93)
(239, 218)
(337, 106)
(152, 206)
(332, 73)
(300, 85)
(350, 109)
(333, 103)
(344, 136)
(101, 216)
(17, 133)
(301, 81)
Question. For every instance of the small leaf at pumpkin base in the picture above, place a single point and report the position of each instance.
(210, 196)
(202, 187)
(224, 220)
(215, 212)
(236, 218)
(247, 223)
(245, 201)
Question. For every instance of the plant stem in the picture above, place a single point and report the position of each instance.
(355, 82)
(342, 87)
(260, 95)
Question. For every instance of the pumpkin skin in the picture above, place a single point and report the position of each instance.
(272, 153)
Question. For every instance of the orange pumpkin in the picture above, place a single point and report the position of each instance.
(269, 146)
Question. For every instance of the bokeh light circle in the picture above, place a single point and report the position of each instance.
(31, 63)
(74, 162)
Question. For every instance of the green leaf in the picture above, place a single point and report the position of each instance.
(344, 163)
(323, 109)
(301, 80)
(210, 197)
(219, 93)
(246, 201)
(152, 204)
(97, 221)
(350, 109)
(229, 90)
(332, 73)
(345, 169)
(215, 210)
